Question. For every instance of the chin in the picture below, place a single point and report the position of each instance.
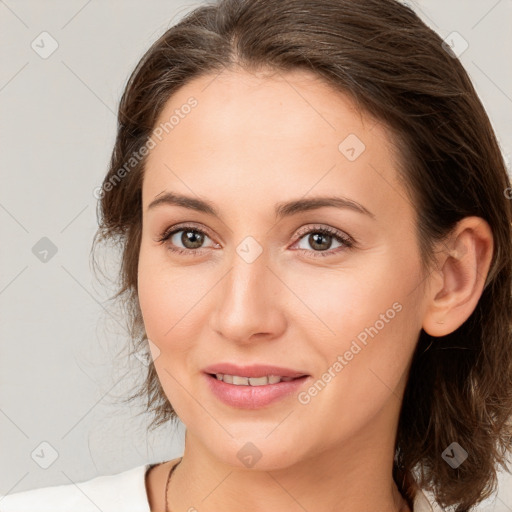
(257, 453)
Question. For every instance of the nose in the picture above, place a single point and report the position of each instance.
(247, 302)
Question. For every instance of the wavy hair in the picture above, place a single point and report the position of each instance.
(393, 66)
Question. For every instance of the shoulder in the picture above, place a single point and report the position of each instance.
(124, 491)
(421, 502)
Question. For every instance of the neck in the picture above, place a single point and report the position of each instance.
(355, 476)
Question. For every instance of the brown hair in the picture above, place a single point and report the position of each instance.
(394, 67)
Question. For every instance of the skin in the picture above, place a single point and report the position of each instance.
(252, 141)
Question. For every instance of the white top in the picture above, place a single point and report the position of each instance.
(122, 492)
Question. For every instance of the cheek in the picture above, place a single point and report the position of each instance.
(368, 313)
(164, 303)
(343, 301)
(169, 322)
(170, 300)
(149, 293)
(158, 298)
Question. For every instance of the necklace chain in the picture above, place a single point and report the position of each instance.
(167, 484)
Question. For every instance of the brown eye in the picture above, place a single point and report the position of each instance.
(186, 240)
(191, 239)
(320, 240)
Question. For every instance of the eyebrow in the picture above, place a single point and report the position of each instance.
(283, 209)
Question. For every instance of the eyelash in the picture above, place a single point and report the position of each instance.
(347, 241)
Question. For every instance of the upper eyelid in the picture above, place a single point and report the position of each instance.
(181, 227)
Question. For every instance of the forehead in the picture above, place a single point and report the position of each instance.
(260, 135)
(296, 107)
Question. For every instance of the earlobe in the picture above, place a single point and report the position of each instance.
(457, 285)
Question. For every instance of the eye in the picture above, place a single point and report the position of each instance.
(320, 239)
(190, 237)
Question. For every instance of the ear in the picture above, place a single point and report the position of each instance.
(457, 284)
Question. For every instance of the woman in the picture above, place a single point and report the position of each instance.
(317, 253)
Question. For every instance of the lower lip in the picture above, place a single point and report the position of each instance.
(253, 397)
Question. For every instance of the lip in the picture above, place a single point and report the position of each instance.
(253, 397)
(255, 370)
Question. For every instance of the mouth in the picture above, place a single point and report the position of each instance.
(242, 392)
(264, 380)
(254, 371)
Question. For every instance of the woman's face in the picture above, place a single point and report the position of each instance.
(258, 283)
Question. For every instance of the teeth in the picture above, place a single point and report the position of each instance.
(257, 381)
(251, 381)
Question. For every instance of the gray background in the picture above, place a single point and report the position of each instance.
(62, 369)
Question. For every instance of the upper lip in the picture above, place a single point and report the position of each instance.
(255, 370)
